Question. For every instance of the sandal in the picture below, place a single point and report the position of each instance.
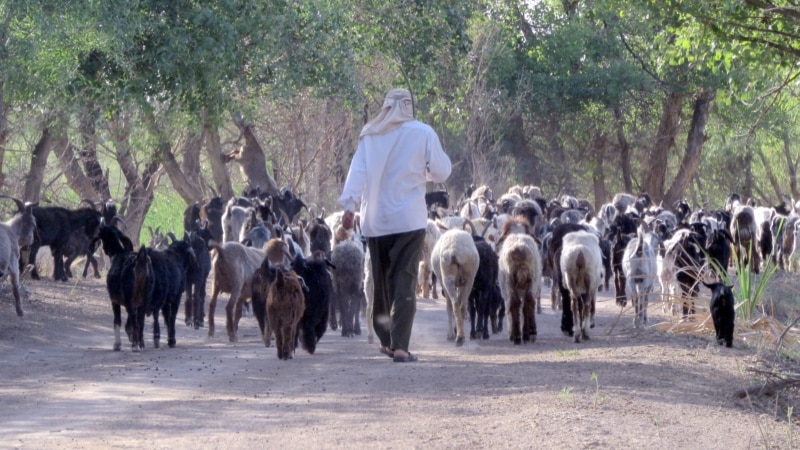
(410, 357)
(387, 352)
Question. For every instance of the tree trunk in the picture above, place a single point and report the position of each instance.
(598, 179)
(773, 180)
(624, 151)
(252, 161)
(188, 191)
(190, 166)
(694, 146)
(71, 168)
(656, 170)
(138, 190)
(747, 159)
(791, 164)
(4, 132)
(88, 154)
(222, 180)
(33, 182)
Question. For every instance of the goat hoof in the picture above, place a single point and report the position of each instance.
(517, 341)
(460, 341)
(117, 346)
(473, 335)
(171, 343)
(370, 339)
(485, 336)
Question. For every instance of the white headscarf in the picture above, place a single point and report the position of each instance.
(397, 108)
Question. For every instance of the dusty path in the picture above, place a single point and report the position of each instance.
(61, 386)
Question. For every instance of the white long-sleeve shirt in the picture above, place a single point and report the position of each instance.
(387, 177)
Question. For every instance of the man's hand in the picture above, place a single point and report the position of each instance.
(347, 220)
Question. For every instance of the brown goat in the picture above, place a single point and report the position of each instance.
(285, 305)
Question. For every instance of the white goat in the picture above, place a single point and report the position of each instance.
(455, 262)
(520, 279)
(640, 267)
(233, 220)
(424, 285)
(581, 267)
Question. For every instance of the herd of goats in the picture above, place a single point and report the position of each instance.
(301, 276)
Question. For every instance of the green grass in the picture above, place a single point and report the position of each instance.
(166, 212)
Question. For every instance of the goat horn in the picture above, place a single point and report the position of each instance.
(119, 219)
(20, 205)
(471, 225)
(171, 236)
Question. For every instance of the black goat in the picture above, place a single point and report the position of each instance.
(55, 225)
(718, 248)
(159, 282)
(196, 277)
(287, 205)
(723, 312)
(208, 213)
(437, 199)
(80, 244)
(480, 298)
(317, 279)
(120, 282)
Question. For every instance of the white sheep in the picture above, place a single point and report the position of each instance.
(520, 279)
(455, 262)
(581, 267)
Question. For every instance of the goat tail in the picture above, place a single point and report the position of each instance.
(580, 261)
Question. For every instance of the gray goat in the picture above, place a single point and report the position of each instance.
(14, 234)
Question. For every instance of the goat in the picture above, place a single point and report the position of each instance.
(285, 304)
(233, 220)
(16, 233)
(682, 261)
(233, 265)
(558, 288)
(288, 206)
(745, 234)
(519, 276)
(159, 282)
(619, 244)
(316, 277)
(79, 244)
(425, 284)
(718, 248)
(54, 226)
(581, 265)
(348, 258)
(640, 267)
(196, 279)
(120, 286)
(480, 298)
(437, 199)
(455, 260)
(723, 312)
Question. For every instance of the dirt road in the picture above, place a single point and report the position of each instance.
(61, 386)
